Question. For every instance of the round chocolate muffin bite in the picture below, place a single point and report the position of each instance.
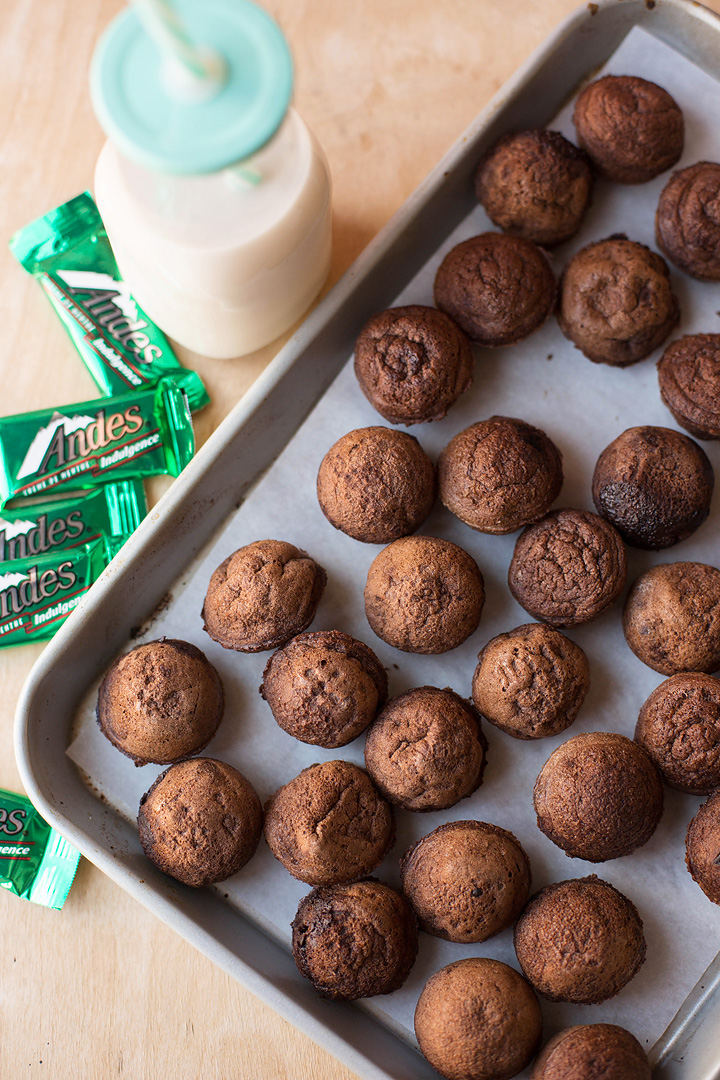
(162, 702)
(598, 796)
(531, 681)
(535, 184)
(424, 595)
(568, 568)
(655, 485)
(355, 941)
(687, 222)
(500, 474)
(631, 128)
(262, 595)
(616, 302)
(671, 618)
(376, 485)
(591, 1052)
(200, 822)
(702, 847)
(412, 363)
(467, 880)
(679, 726)
(329, 825)
(324, 688)
(579, 940)
(497, 288)
(426, 749)
(478, 1019)
(689, 378)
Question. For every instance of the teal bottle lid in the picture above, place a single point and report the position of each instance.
(158, 113)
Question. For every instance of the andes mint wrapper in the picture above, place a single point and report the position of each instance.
(36, 863)
(110, 511)
(140, 434)
(69, 253)
(37, 594)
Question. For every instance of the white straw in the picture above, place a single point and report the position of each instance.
(192, 70)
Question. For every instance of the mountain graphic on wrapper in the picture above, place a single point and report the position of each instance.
(41, 443)
(11, 529)
(8, 581)
(90, 281)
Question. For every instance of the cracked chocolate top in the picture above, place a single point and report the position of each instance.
(424, 595)
(687, 222)
(355, 941)
(160, 703)
(616, 302)
(498, 288)
(531, 681)
(598, 796)
(579, 940)
(478, 1017)
(535, 184)
(412, 363)
(593, 1052)
(200, 821)
(654, 484)
(679, 726)
(262, 595)
(324, 688)
(467, 880)
(426, 750)
(631, 128)
(702, 847)
(671, 618)
(376, 485)
(329, 825)
(689, 378)
(568, 568)
(500, 474)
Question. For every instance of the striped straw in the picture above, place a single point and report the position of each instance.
(194, 72)
(198, 64)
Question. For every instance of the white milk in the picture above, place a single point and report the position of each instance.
(223, 265)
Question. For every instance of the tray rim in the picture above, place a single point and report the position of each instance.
(137, 546)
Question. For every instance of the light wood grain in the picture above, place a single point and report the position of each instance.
(103, 989)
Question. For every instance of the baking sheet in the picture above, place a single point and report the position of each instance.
(582, 407)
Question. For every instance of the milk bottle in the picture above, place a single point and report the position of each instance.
(214, 193)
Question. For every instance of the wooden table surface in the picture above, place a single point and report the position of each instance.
(103, 988)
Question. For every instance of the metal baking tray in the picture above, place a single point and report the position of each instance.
(217, 481)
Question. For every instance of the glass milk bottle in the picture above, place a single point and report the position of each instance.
(214, 193)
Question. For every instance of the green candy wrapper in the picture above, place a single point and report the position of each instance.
(69, 253)
(110, 511)
(36, 863)
(39, 593)
(140, 434)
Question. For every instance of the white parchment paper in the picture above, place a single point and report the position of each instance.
(582, 406)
